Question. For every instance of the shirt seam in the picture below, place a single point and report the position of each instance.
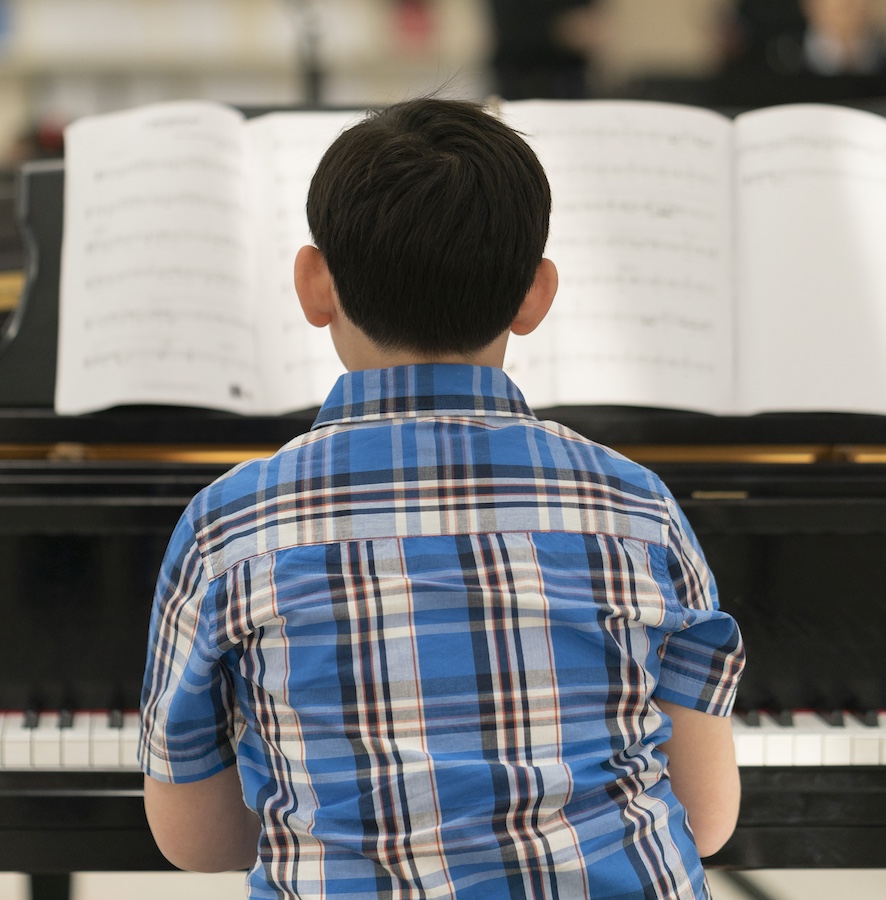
(401, 537)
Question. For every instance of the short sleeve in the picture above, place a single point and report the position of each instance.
(702, 660)
(186, 703)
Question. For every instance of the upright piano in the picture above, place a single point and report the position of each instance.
(791, 511)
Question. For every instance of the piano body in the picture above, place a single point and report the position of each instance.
(791, 510)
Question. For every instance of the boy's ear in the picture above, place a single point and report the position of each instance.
(538, 299)
(314, 286)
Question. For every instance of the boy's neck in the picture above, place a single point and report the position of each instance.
(358, 352)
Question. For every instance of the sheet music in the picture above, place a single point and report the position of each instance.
(811, 205)
(301, 364)
(641, 236)
(156, 262)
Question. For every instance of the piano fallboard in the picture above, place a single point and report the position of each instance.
(790, 818)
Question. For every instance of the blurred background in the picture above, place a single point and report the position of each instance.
(60, 59)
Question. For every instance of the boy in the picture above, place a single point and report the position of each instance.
(453, 651)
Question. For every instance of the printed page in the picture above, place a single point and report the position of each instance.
(641, 235)
(154, 297)
(811, 206)
(299, 361)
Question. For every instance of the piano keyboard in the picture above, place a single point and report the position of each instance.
(69, 741)
(108, 741)
(809, 739)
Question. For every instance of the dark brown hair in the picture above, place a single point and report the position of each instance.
(432, 216)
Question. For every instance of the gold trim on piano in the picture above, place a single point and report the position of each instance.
(735, 453)
(643, 453)
(11, 284)
(173, 453)
(869, 455)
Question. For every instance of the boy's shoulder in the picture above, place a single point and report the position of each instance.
(317, 481)
(552, 450)
(601, 458)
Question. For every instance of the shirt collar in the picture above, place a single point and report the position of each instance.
(421, 390)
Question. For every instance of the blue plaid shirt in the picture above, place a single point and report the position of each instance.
(431, 633)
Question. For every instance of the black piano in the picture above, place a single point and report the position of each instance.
(791, 510)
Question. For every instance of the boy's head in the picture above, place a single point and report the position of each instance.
(432, 217)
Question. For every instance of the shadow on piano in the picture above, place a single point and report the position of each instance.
(791, 510)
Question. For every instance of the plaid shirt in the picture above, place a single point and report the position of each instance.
(430, 632)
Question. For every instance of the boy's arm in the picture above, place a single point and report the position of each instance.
(203, 826)
(704, 774)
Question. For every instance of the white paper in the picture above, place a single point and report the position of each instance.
(641, 235)
(300, 362)
(811, 189)
(155, 294)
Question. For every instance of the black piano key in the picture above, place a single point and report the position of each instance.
(868, 717)
(66, 718)
(785, 718)
(834, 718)
(115, 718)
(31, 719)
(751, 717)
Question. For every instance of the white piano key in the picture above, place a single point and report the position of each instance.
(15, 742)
(809, 740)
(778, 741)
(46, 742)
(809, 734)
(129, 741)
(748, 743)
(864, 742)
(104, 741)
(836, 745)
(76, 742)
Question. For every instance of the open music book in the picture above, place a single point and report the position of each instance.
(705, 264)
(182, 221)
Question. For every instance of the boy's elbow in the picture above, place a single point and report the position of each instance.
(206, 858)
(203, 826)
(713, 826)
(714, 835)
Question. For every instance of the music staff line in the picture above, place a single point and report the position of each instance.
(184, 198)
(685, 285)
(165, 317)
(177, 165)
(680, 321)
(134, 357)
(626, 136)
(173, 273)
(157, 238)
(640, 244)
(778, 177)
(630, 170)
(821, 142)
(655, 209)
(585, 361)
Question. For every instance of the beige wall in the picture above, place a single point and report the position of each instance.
(660, 35)
(669, 36)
